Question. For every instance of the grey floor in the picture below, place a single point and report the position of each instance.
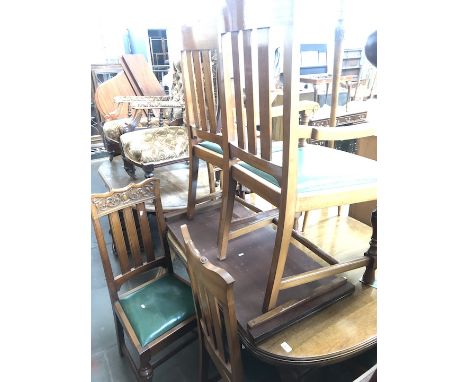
(108, 366)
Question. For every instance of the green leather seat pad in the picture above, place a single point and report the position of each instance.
(212, 147)
(320, 168)
(158, 307)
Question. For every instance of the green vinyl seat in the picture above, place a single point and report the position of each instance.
(158, 307)
(320, 168)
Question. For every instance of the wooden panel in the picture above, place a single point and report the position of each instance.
(140, 75)
(207, 74)
(200, 99)
(264, 92)
(249, 93)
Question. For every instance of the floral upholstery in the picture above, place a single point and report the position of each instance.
(115, 128)
(154, 145)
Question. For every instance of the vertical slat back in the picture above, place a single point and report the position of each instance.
(119, 241)
(264, 92)
(130, 231)
(132, 236)
(214, 298)
(196, 56)
(238, 96)
(145, 231)
(249, 93)
(209, 89)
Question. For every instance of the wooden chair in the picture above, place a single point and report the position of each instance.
(294, 179)
(158, 308)
(213, 295)
(200, 85)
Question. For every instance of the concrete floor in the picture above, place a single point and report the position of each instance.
(108, 366)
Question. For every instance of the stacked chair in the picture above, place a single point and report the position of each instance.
(292, 179)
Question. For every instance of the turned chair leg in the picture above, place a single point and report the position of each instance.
(129, 167)
(203, 362)
(145, 371)
(369, 274)
(148, 171)
(211, 178)
(120, 335)
(192, 189)
(229, 193)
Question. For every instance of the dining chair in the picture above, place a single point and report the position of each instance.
(199, 76)
(213, 296)
(152, 306)
(293, 179)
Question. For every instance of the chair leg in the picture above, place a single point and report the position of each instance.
(306, 220)
(145, 371)
(129, 167)
(229, 192)
(148, 169)
(203, 358)
(193, 181)
(280, 254)
(120, 335)
(211, 178)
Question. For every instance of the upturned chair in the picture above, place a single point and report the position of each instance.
(213, 296)
(200, 85)
(293, 179)
(157, 307)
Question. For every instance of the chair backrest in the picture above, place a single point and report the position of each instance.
(200, 87)
(314, 58)
(212, 289)
(247, 57)
(131, 233)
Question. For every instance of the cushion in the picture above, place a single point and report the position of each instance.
(154, 145)
(158, 307)
(322, 167)
(115, 128)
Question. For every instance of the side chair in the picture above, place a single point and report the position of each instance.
(155, 306)
(294, 179)
(213, 296)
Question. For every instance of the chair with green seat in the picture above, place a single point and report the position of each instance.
(213, 296)
(294, 179)
(152, 306)
(199, 76)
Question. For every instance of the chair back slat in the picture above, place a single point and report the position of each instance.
(209, 89)
(193, 95)
(249, 93)
(119, 240)
(196, 56)
(132, 236)
(145, 231)
(239, 107)
(264, 92)
(212, 289)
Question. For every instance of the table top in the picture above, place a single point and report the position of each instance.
(341, 330)
(173, 180)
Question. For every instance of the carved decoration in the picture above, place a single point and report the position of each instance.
(135, 193)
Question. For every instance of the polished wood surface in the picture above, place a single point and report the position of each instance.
(341, 330)
(173, 180)
(248, 258)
